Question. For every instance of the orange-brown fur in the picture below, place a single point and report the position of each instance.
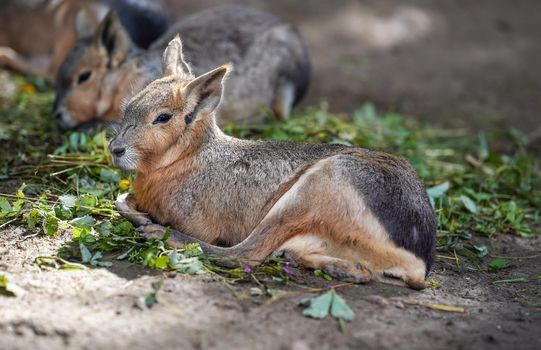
(48, 38)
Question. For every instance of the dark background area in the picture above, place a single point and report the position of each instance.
(458, 63)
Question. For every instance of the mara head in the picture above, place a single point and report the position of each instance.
(169, 118)
(80, 78)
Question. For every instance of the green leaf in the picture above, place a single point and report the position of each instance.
(512, 280)
(191, 250)
(86, 256)
(86, 221)
(483, 146)
(156, 286)
(481, 249)
(104, 228)
(109, 176)
(190, 266)
(68, 200)
(499, 264)
(323, 275)
(125, 254)
(63, 212)
(161, 262)
(85, 204)
(438, 190)
(32, 218)
(124, 228)
(50, 225)
(150, 298)
(329, 302)
(320, 306)
(340, 309)
(74, 141)
(5, 207)
(469, 204)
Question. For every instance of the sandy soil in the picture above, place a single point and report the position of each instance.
(96, 309)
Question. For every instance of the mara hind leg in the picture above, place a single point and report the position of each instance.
(322, 202)
(284, 97)
(11, 59)
(357, 261)
(312, 251)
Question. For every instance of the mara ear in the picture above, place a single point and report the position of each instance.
(112, 39)
(173, 60)
(84, 24)
(87, 18)
(203, 94)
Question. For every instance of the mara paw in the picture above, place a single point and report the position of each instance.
(152, 231)
(349, 272)
(414, 280)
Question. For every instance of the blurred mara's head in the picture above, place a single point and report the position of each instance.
(170, 117)
(80, 79)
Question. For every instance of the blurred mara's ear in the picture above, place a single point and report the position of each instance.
(173, 60)
(84, 26)
(204, 93)
(112, 39)
(86, 19)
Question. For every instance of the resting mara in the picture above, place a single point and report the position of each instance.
(271, 65)
(357, 214)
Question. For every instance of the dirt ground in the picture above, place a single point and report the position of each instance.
(460, 63)
(96, 309)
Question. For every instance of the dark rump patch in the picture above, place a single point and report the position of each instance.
(144, 21)
(395, 195)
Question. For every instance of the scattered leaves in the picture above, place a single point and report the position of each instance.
(328, 303)
(498, 264)
(149, 299)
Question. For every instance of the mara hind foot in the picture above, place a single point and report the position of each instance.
(357, 263)
(284, 98)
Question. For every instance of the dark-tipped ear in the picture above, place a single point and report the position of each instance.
(173, 60)
(204, 93)
(112, 38)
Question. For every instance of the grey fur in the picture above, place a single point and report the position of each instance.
(264, 50)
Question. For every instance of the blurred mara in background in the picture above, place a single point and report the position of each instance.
(36, 35)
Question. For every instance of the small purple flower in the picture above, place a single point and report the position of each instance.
(247, 269)
(288, 271)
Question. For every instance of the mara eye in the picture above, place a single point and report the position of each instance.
(84, 76)
(162, 118)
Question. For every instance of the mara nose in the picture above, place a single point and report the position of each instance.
(58, 115)
(118, 151)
